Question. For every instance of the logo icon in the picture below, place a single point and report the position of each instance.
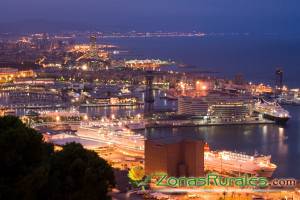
(137, 177)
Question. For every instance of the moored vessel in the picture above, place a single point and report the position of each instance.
(272, 111)
(238, 163)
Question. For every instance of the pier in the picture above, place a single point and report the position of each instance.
(192, 123)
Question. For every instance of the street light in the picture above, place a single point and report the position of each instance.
(85, 117)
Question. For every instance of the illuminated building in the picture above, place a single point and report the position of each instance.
(202, 86)
(261, 88)
(175, 157)
(122, 100)
(218, 105)
(7, 112)
(31, 81)
(146, 64)
(93, 59)
(117, 101)
(192, 106)
(93, 46)
(9, 74)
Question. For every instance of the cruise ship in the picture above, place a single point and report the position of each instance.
(125, 141)
(272, 111)
(237, 163)
(223, 162)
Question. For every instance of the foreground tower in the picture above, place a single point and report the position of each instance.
(177, 158)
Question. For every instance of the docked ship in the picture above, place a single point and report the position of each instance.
(125, 141)
(289, 99)
(227, 162)
(272, 111)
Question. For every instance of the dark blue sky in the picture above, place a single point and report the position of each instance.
(263, 16)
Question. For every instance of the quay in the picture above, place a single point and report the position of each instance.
(34, 106)
(111, 105)
(191, 123)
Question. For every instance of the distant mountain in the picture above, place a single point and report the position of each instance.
(33, 26)
(30, 26)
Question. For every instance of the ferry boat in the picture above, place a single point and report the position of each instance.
(272, 111)
(237, 163)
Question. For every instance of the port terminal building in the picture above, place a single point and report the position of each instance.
(218, 106)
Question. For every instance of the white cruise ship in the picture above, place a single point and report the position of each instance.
(272, 111)
(237, 163)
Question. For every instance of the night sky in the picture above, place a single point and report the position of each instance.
(258, 16)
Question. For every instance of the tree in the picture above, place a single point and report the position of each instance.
(77, 173)
(22, 151)
(30, 169)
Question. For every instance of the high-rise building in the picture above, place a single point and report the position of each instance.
(93, 47)
(175, 157)
(279, 78)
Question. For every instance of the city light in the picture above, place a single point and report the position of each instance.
(84, 67)
(201, 86)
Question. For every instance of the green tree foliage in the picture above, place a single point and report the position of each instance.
(30, 169)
